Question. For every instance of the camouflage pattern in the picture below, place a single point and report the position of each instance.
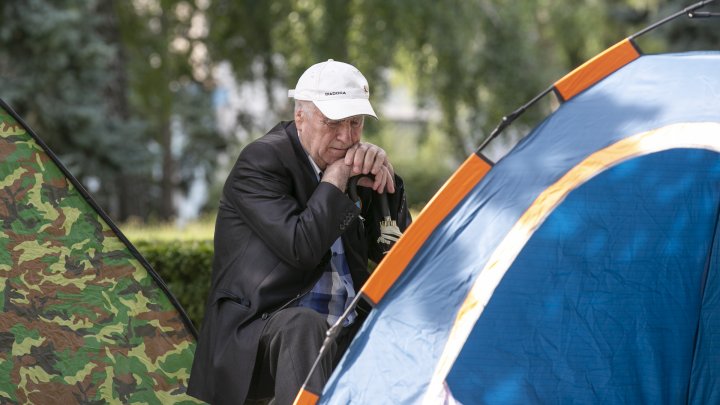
(82, 320)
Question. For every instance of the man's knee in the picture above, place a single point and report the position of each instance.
(300, 318)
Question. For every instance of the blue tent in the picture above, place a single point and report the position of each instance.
(581, 268)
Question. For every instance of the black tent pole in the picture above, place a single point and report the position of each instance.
(690, 11)
(508, 119)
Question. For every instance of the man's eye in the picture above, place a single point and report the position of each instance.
(355, 122)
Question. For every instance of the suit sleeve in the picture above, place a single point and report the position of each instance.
(261, 190)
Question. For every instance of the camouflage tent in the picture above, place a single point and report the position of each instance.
(83, 317)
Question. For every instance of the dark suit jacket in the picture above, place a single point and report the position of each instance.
(274, 229)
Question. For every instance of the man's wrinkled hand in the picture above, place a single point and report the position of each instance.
(337, 173)
(366, 158)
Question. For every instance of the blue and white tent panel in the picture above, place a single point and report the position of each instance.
(582, 267)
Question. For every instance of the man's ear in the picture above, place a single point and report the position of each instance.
(299, 116)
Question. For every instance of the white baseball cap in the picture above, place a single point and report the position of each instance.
(337, 89)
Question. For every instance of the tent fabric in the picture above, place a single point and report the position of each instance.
(454, 190)
(602, 326)
(83, 318)
(611, 293)
(596, 69)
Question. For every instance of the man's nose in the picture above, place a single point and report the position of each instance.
(345, 132)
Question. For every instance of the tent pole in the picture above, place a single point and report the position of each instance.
(330, 337)
(690, 11)
(508, 119)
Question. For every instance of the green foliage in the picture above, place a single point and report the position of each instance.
(56, 70)
(185, 266)
(118, 90)
(121, 90)
(473, 60)
(168, 82)
(421, 155)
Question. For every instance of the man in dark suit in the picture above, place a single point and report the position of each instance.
(291, 248)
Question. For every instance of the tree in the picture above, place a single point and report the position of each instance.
(118, 91)
(60, 70)
(169, 81)
(122, 90)
(474, 60)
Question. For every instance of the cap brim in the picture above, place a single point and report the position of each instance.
(340, 109)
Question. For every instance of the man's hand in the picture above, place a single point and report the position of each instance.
(337, 174)
(366, 158)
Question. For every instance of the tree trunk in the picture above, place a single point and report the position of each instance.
(167, 208)
(127, 200)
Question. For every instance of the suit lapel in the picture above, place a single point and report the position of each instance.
(307, 180)
(354, 236)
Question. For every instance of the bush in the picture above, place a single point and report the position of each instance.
(186, 267)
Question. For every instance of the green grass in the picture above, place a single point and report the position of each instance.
(199, 230)
(202, 229)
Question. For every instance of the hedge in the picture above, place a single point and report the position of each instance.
(185, 266)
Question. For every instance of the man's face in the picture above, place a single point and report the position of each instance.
(326, 140)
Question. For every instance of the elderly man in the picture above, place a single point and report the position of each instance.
(291, 248)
